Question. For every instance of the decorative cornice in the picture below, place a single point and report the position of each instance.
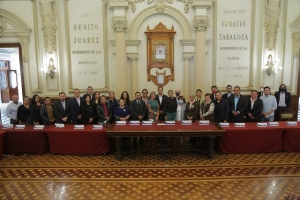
(186, 4)
(201, 23)
(179, 16)
(119, 25)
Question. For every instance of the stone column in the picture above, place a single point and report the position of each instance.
(134, 76)
(200, 26)
(201, 23)
(186, 77)
(120, 25)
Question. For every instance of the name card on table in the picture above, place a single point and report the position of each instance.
(222, 124)
(120, 122)
(134, 122)
(169, 122)
(186, 122)
(59, 126)
(19, 126)
(239, 124)
(203, 122)
(97, 127)
(262, 124)
(38, 127)
(78, 126)
(291, 123)
(273, 123)
(7, 126)
(147, 122)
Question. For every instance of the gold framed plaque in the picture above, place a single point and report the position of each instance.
(160, 53)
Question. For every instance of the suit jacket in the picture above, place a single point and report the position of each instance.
(100, 112)
(213, 97)
(161, 104)
(225, 96)
(255, 111)
(193, 111)
(287, 98)
(137, 110)
(87, 112)
(241, 107)
(44, 114)
(223, 112)
(60, 112)
(75, 110)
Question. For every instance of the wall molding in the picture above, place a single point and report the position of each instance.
(138, 20)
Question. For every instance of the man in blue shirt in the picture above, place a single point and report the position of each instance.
(269, 105)
(12, 109)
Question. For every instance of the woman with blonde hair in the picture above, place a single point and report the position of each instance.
(153, 107)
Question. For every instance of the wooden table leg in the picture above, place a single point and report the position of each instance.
(211, 151)
(118, 149)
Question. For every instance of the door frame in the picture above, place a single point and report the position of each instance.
(17, 45)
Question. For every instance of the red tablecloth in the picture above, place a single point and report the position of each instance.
(2, 133)
(291, 138)
(252, 139)
(25, 141)
(77, 141)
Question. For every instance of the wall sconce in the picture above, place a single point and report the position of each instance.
(270, 66)
(50, 70)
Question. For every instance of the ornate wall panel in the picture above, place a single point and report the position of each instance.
(234, 28)
(86, 29)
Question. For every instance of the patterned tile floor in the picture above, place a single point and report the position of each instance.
(184, 176)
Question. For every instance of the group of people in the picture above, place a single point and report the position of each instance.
(93, 108)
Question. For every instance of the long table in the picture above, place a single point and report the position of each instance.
(156, 130)
(25, 141)
(252, 139)
(291, 139)
(2, 133)
(77, 141)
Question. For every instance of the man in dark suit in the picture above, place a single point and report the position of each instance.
(228, 92)
(75, 103)
(283, 98)
(254, 108)
(237, 105)
(213, 92)
(138, 108)
(89, 92)
(62, 110)
(221, 110)
(192, 109)
(161, 99)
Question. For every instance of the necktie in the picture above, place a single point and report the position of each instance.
(63, 104)
(139, 105)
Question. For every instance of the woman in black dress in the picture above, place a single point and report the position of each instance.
(35, 107)
(23, 113)
(88, 111)
(96, 101)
